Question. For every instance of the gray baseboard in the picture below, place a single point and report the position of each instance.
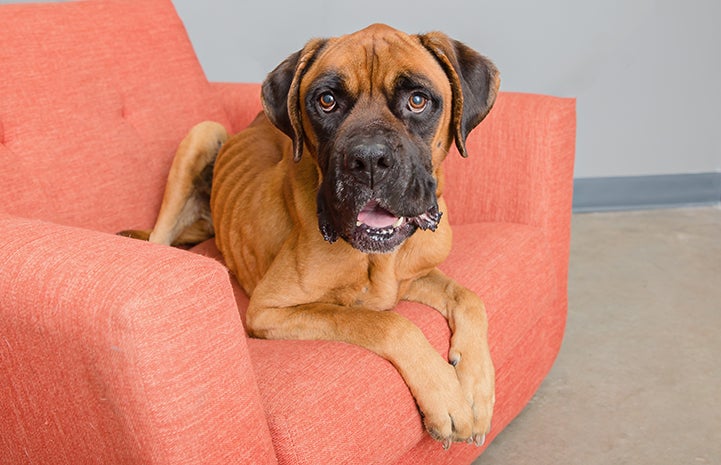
(645, 192)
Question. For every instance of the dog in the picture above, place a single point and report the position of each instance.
(329, 208)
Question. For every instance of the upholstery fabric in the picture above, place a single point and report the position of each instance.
(101, 92)
(118, 351)
(241, 103)
(101, 364)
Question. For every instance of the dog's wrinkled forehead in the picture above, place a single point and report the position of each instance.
(372, 60)
(369, 63)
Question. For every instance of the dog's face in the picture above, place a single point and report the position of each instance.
(378, 111)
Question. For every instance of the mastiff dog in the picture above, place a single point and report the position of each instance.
(329, 208)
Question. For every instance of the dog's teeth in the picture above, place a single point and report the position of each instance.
(358, 223)
(398, 222)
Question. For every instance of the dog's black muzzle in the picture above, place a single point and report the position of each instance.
(377, 192)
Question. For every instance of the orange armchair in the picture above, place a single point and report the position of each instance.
(119, 351)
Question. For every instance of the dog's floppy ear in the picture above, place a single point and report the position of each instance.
(280, 93)
(474, 82)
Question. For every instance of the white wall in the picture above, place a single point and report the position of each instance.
(647, 74)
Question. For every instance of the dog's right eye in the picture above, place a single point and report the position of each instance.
(327, 102)
(417, 102)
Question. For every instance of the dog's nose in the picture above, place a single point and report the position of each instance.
(369, 163)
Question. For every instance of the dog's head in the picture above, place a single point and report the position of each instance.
(378, 111)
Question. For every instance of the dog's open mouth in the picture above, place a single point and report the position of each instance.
(376, 218)
(379, 230)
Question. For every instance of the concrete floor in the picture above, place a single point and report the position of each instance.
(638, 379)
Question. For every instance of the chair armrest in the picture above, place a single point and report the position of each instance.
(520, 170)
(241, 102)
(119, 351)
(520, 164)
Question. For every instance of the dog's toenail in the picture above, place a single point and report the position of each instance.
(446, 443)
(480, 440)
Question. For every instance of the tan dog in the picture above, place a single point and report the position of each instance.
(350, 147)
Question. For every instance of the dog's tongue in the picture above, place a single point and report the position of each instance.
(375, 216)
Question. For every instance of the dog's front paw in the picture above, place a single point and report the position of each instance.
(476, 375)
(447, 415)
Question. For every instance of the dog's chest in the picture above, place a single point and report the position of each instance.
(377, 295)
(377, 287)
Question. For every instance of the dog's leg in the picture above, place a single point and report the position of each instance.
(432, 381)
(469, 351)
(184, 216)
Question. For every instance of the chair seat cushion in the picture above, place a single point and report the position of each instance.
(319, 395)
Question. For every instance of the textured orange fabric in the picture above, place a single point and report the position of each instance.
(517, 160)
(116, 351)
(240, 101)
(107, 355)
(95, 97)
(520, 170)
(119, 351)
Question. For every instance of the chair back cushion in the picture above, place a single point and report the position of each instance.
(95, 97)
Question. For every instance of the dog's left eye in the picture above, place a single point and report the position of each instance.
(327, 102)
(417, 102)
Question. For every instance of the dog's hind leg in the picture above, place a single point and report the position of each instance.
(184, 217)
